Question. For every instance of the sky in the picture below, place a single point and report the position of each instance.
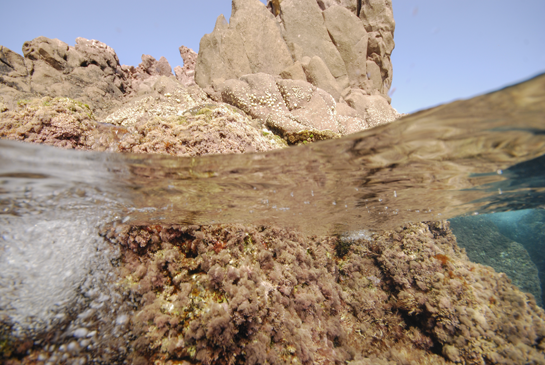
(445, 50)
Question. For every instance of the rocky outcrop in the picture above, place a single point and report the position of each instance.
(294, 109)
(252, 43)
(186, 74)
(89, 72)
(321, 42)
(159, 123)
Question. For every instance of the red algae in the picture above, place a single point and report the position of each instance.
(271, 295)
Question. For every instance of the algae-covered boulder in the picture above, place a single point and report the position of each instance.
(262, 295)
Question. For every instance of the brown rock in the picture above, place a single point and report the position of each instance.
(377, 15)
(221, 55)
(97, 53)
(255, 94)
(318, 75)
(350, 38)
(266, 50)
(89, 72)
(153, 67)
(375, 108)
(186, 74)
(51, 51)
(14, 78)
(374, 75)
(252, 43)
(304, 26)
(294, 72)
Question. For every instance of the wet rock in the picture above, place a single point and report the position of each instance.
(176, 124)
(484, 244)
(403, 296)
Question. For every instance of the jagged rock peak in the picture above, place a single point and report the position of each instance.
(322, 42)
(89, 72)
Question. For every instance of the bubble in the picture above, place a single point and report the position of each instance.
(81, 332)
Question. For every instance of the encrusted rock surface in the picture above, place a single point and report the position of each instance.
(149, 124)
(235, 294)
(258, 295)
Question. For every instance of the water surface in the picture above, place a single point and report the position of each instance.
(474, 156)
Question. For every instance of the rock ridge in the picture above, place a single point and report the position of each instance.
(321, 42)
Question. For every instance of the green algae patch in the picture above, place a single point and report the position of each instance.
(307, 136)
(6, 342)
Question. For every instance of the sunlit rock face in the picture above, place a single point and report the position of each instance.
(89, 72)
(323, 43)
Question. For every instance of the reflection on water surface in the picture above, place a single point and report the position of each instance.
(477, 155)
(472, 156)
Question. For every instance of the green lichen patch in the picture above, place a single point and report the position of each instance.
(61, 122)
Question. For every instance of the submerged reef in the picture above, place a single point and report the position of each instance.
(485, 245)
(232, 294)
(525, 227)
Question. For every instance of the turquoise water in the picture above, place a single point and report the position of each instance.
(467, 158)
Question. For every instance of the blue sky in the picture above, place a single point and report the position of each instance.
(445, 50)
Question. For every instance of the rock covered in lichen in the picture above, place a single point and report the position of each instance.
(166, 129)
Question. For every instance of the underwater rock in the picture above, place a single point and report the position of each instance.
(255, 295)
(485, 244)
(525, 227)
